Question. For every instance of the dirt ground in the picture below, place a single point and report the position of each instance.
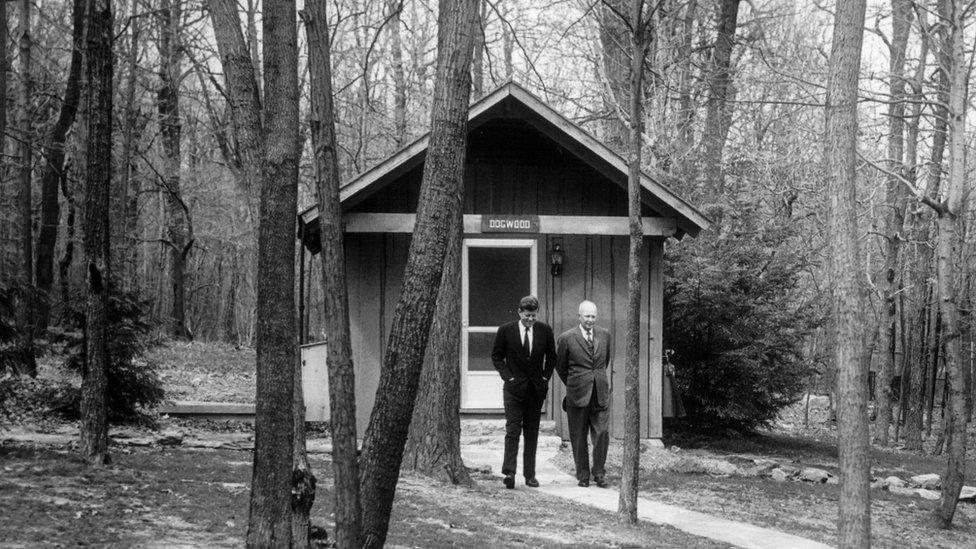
(160, 496)
(182, 497)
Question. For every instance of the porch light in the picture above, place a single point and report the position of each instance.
(556, 259)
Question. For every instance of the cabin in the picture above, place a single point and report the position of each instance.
(545, 213)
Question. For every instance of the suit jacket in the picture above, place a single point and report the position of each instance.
(510, 359)
(582, 371)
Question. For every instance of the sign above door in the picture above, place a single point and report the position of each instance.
(509, 223)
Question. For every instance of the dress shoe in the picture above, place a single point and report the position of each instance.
(509, 481)
(584, 483)
(532, 482)
(601, 482)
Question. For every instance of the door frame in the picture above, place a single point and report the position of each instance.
(532, 246)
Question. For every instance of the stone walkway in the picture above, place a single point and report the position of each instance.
(486, 451)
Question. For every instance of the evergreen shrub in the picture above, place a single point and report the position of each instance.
(736, 316)
(133, 383)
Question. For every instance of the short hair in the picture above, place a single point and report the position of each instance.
(529, 303)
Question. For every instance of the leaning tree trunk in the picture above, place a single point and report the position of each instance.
(641, 36)
(269, 522)
(845, 266)
(434, 442)
(441, 184)
(894, 218)
(94, 383)
(951, 269)
(54, 170)
(243, 99)
(342, 388)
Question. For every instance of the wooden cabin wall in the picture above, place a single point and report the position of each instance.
(595, 268)
(511, 168)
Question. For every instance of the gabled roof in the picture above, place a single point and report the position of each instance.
(509, 100)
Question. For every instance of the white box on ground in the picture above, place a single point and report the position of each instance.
(315, 382)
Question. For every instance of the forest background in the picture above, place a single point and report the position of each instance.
(734, 104)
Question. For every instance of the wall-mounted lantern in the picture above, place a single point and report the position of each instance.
(556, 259)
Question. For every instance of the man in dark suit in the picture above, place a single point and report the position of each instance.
(524, 354)
(582, 359)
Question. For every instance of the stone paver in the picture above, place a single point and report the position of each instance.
(482, 451)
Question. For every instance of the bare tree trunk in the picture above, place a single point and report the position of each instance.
(640, 40)
(399, 77)
(440, 187)
(950, 268)
(845, 266)
(25, 231)
(6, 268)
(302, 478)
(53, 172)
(98, 266)
(718, 114)
(434, 441)
(26, 298)
(254, 42)
(686, 110)
(478, 63)
(128, 189)
(242, 97)
(342, 387)
(269, 521)
(508, 41)
(914, 365)
(895, 216)
(613, 41)
(177, 211)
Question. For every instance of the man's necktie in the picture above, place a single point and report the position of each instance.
(525, 342)
(589, 341)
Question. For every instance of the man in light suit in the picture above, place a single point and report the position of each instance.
(524, 354)
(582, 361)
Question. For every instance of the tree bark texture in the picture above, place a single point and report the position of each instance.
(478, 60)
(434, 441)
(302, 478)
(269, 522)
(440, 188)
(25, 230)
(613, 43)
(845, 266)
(895, 203)
(951, 268)
(718, 113)
(6, 259)
(170, 129)
(914, 366)
(242, 97)
(124, 241)
(399, 75)
(54, 170)
(94, 382)
(640, 40)
(342, 388)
